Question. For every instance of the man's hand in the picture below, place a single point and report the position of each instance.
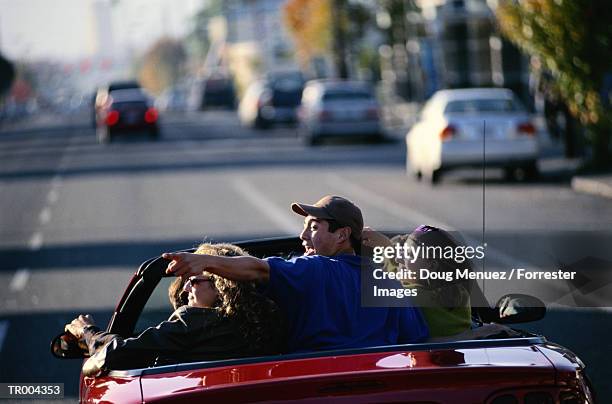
(244, 268)
(77, 325)
(372, 238)
(185, 264)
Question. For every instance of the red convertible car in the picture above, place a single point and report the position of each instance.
(522, 369)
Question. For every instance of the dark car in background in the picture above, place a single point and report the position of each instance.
(215, 91)
(266, 104)
(103, 91)
(272, 100)
(126, 111)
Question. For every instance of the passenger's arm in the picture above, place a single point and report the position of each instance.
(77, 326)
(372, 238)
(234, 268)
(111, 351)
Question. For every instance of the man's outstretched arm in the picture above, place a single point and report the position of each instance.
(234, 268)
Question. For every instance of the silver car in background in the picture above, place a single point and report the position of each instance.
(338, 108)
(464, 127)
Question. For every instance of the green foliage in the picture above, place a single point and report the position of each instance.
(572, 38)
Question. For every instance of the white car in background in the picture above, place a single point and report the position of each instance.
(449, 134)
(338, 108)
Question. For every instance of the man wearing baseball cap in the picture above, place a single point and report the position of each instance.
(343, 218)
(319, 292)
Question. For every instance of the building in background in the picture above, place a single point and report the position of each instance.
(249, 41)
(454, 44)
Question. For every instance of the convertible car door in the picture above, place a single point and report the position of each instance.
(116, 387)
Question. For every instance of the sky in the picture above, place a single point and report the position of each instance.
(65, 29)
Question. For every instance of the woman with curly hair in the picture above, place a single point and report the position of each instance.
(221, 319)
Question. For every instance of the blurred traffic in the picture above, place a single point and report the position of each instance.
(332, 68)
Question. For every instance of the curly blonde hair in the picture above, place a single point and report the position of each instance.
(257, 315)
(176, 294)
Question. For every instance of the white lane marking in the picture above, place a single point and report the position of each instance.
(36, 241)
(405, 213)
(20, 280)
(280, 217)
(45, 215)
(52, 196)
(56, 181)
(4, 325)
(383, 203)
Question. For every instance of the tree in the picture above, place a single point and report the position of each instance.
(573, 39)
(333, 27)
(309, 23)
(339, 26)
(360, 18)
(395, 24)
(162, 65)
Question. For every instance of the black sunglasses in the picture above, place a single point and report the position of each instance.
(196, 281)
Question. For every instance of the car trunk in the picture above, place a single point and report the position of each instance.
(351, 110)
(432, 376)
(130, 113)
(497, 127)
(286, 99)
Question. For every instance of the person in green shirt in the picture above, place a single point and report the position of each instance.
(445, 304)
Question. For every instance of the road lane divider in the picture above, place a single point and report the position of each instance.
(52, 196)
(56, 181)
(45, 215)
(279, 216)
(36, 241)
(20, 280)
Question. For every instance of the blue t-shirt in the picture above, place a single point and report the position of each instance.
(321, 298)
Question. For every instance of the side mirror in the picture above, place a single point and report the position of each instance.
(517, 308)
(66, 346)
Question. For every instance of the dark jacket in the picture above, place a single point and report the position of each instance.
(190, 334)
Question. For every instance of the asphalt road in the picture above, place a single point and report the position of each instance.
(77, 218)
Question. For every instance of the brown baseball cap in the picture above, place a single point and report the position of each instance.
(336, 208)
